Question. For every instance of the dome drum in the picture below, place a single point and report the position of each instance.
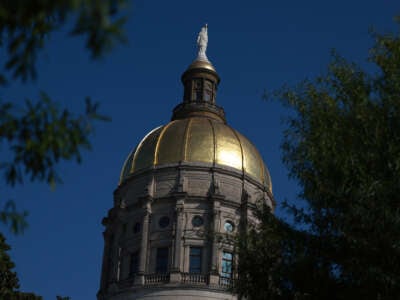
(195, 180)
(177, 209)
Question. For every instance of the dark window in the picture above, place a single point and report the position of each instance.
(197, 83)
(208, 88)
(162, 260)
(197, 90)
(124, 225)
(163, 222)
(110, 246)
(227, 258)
(110, 257)
(198, 95)
(134, 264)
(136, 227)
(207, 96)
(195, 260)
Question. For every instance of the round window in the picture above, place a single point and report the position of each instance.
(228, 226)
(197, 221)
(136, 227)
(163, 222)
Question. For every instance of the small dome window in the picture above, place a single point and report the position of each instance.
(229, 226)
(197, 221)
(163, 222)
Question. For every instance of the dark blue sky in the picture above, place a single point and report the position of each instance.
(254, 45)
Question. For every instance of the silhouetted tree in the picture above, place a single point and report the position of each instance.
(342, 145)
(8, 278)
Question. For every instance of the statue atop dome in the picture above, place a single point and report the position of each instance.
(202, 41)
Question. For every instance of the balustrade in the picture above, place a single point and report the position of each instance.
(194, 278)
(156, 278)
(186, 278)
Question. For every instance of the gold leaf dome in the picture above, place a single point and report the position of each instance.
(198, 133)
(197, 140)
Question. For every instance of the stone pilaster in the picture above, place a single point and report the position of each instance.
(178, 246)
(215, 230)
(139, 278)
(178, 236)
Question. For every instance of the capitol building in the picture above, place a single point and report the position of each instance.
(185, 192)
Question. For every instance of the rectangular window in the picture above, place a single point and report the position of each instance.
(134, 264)
(207, 95)
(227, 259)
(198, 95)
(110, 258)
(162, 260)
(195, 260)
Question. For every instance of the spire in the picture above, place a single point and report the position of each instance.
(200, 82)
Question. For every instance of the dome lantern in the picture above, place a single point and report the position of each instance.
(200, 82)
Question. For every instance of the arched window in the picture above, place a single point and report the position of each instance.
(197, 90)
(208, 91)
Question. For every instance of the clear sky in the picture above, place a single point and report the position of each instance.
(254, 45)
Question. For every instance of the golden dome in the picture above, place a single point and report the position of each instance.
(197, 139)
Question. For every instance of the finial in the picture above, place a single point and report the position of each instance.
(202, 41)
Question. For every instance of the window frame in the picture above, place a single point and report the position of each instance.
(134, 268)
(193, 257)
(162, 260)
(227, 263)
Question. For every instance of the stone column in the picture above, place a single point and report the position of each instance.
(139, 278)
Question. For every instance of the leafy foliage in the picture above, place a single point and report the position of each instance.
(262, 244)
(39, 134)
(42, 135)
(343, 147)
(8, 279)
(25, 26)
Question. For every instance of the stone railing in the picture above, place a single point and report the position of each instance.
(213, 281)
(225, 282)
(193, 278)
(156, 278)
